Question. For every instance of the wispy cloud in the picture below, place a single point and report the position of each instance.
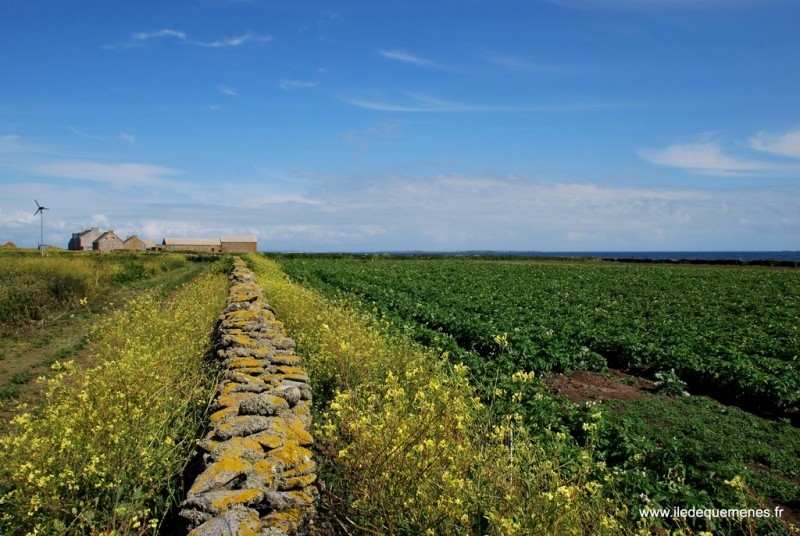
(166, 32)
(234, 41)
(705, 158)
(407, 57)
(227, 90)
(13, 144)
(140, 39)
(420, 103)
(289, 84)
(786, 144)
(119, 175)
(524, 65)
(127, 138)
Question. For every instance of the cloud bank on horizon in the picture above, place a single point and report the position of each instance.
(581, 125)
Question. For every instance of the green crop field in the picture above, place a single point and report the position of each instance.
(726, 334)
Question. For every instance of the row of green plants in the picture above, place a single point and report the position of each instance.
(726, 331)
(411, 442)
(661, 452)
(103, 452)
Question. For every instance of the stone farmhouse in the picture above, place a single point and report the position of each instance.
(95, 240)
(224, 244)
(108, 241)
(84, 241)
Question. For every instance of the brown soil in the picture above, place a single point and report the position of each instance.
(581, 386)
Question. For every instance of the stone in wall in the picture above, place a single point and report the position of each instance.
(258, 474)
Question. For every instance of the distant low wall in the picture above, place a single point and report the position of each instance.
(258, 474)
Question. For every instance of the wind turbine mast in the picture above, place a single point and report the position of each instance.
(40, 210)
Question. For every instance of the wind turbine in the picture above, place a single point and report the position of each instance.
(40, 210)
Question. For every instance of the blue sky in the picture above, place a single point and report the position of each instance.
(554, 125)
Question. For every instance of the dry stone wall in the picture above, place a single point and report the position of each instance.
(258, 474)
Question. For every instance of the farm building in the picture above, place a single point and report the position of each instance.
(108, 241)
(84, 240)
(238, 244)
(135, 243)
(210, 245)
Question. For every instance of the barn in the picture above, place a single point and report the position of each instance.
(135, 243)
(208, 245)
(108, 241)
(238, 244)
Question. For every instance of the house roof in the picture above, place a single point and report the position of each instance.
(184, 241)
(109, 234)
(149, 243)
(238, 238)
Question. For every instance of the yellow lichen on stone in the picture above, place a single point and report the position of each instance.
(301, 496)
(291, 454)
(246, 362)
(220, 415)
(268, 440)
(297, 431)
(240, 340)
(219, 473)
(233, 399)
(285, 520)
(298, 482)
(238, 447)
(267, 471)
(286, 359)
(244, 522)
(304, 468)
(229, 389)
(242, 496)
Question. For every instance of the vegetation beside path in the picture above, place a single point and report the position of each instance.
(102, 452)
(51, 308)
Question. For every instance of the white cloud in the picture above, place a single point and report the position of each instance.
(227, 90)
(407, 57)
(420, 103)
(288, 84)
(139, 39)
(121, 175)
(127, 138)
(166, 32)
(705, 158)
(316, 212)
(786, 144)
(16, 219)
(234, 41)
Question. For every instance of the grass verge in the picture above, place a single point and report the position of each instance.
(102, 453)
